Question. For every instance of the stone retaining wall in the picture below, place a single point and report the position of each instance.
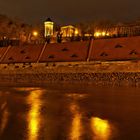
(106, 73)
(115, 78)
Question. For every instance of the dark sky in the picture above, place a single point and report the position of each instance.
(71, 11)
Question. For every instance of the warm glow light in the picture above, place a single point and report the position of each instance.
(76, 32)
(48, 28)
(34, 114)
(101, 128)
(68, 31)
(97, 34)
(35, 33)
(107, 34)
(76, 96)
(26, 89)
(103, 33)
(76, 128)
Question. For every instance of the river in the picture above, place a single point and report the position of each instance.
(69, 112)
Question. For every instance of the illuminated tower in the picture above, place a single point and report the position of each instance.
(48, 24)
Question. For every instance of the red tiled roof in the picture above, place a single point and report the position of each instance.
(116, 49)
(102, 49)
(2, 51)
(22, 54)
(72, 51)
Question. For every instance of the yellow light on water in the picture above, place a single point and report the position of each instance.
(76, 128)
(101, 128)
(4, 117)
(34, 118)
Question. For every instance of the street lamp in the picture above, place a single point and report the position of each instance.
(35, 33)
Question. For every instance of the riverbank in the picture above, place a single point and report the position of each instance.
(117, 78)
(103, 73)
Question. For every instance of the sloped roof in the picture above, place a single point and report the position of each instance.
(126, 48)
(22, 54)
(2, 52)
(71, 51)
(48, 20)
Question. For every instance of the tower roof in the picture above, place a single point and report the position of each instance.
(48, 19)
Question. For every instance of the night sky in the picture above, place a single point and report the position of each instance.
(71, 11)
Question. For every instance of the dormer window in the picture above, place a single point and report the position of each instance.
(64, 49)
(10, 58)
(22, 51)
(51, 56)
(104, 54)
(27, 57)
(133, 52)
(74, 55)
(118, 46)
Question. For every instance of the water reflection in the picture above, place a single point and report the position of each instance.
(34, 116)
(76, 128)
(4, 117)
(26, 89)
(101, 128)
(76, 96)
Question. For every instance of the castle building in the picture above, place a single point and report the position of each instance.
(69, 31)
(48, 25)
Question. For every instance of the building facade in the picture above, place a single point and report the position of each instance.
(49, 28)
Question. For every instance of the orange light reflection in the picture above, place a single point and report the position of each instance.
(101, 128)
(5, 117)
(34, 117)
(76, 129)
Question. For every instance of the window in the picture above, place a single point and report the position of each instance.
(64, 49)
(133, 52)
(118, 46)
(27, 57)
(22, 51)
(10, 58)
(74, 55)
(104, 54)
(51, 56)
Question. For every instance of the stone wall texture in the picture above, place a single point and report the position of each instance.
(99, 74)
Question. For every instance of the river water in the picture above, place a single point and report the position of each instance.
(69, 112)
